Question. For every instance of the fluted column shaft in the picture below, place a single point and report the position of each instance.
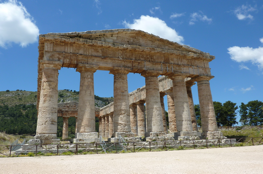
(163, 112)
(103, 126)
(154, 109)
(208, 118)
(86, 107)
(111, 125)
(191, 106)
(48, 103)
(65, 128)
(121, 116)
(140, 119)
(171, 112)
(107, 126)
(133, 118)
(182, 111)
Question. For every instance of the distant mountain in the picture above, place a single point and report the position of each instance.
(12, 98)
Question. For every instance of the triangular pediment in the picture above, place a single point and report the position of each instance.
(126, 37)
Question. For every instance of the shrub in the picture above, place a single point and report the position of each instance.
(30, 154)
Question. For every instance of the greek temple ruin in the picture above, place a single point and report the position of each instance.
(120, 52)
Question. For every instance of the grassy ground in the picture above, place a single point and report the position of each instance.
(249, 131)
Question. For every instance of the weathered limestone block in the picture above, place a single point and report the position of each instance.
(86, 137)
(121, 116)
(141, 121)
(33, 142)
(154, 109)
(47, 111)
(163, 112)
(65, 128)
(208, 118)
(191, 105)
(133, 118)
(171, 112)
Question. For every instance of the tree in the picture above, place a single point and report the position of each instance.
(198, 115)
(251, 113)
(229, 114)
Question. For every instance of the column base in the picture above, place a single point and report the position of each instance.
(90, 137)
(213, 135)
(193, 135)
(45, 139)
(126, 136)
(154, 136)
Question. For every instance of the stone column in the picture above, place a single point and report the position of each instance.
(163, 112)
(111, 125)
(65, 128)
(121, 116)
(208, 118)
(107, 126)
(154, 109)
(182, 111)
(48, 103)
(171, 112)
(86, 107)
(100, 126)
(140, 119)
(76, 126)
(103, 126)
(189, 85)
(133, 118)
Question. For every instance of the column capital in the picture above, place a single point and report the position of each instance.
(140, 102)
(133, 105)
(190, 83)
(86, 68)
(177, 76)
(51, 64)
(119, 71)
(150, 74)
(202, 78)
(162, 94)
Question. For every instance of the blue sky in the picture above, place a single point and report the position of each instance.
(232, 31)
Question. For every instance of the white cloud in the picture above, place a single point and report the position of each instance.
(97, 4)
(231, 89)
(107, 26)
(261, 40)
(155, 26)
(243, 12)
(247, 89)
(199, 16)
(16, 24)
(154, 9)
(246, 54)
(243, 67)
(176, 15)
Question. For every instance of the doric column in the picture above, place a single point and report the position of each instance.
(189, 85)
(208, 118)
(65, 128)
(133, 118)
(182, 111)
(140, 119)
(107, 126)
(103, 126)
(100, 126)
(121, 102)
(86, 107)
(76, 126)
(171, 112)
(163, 112)
(48, 104)
(111, 125)
(154, 109)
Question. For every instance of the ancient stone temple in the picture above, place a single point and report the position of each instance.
(120, 52)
